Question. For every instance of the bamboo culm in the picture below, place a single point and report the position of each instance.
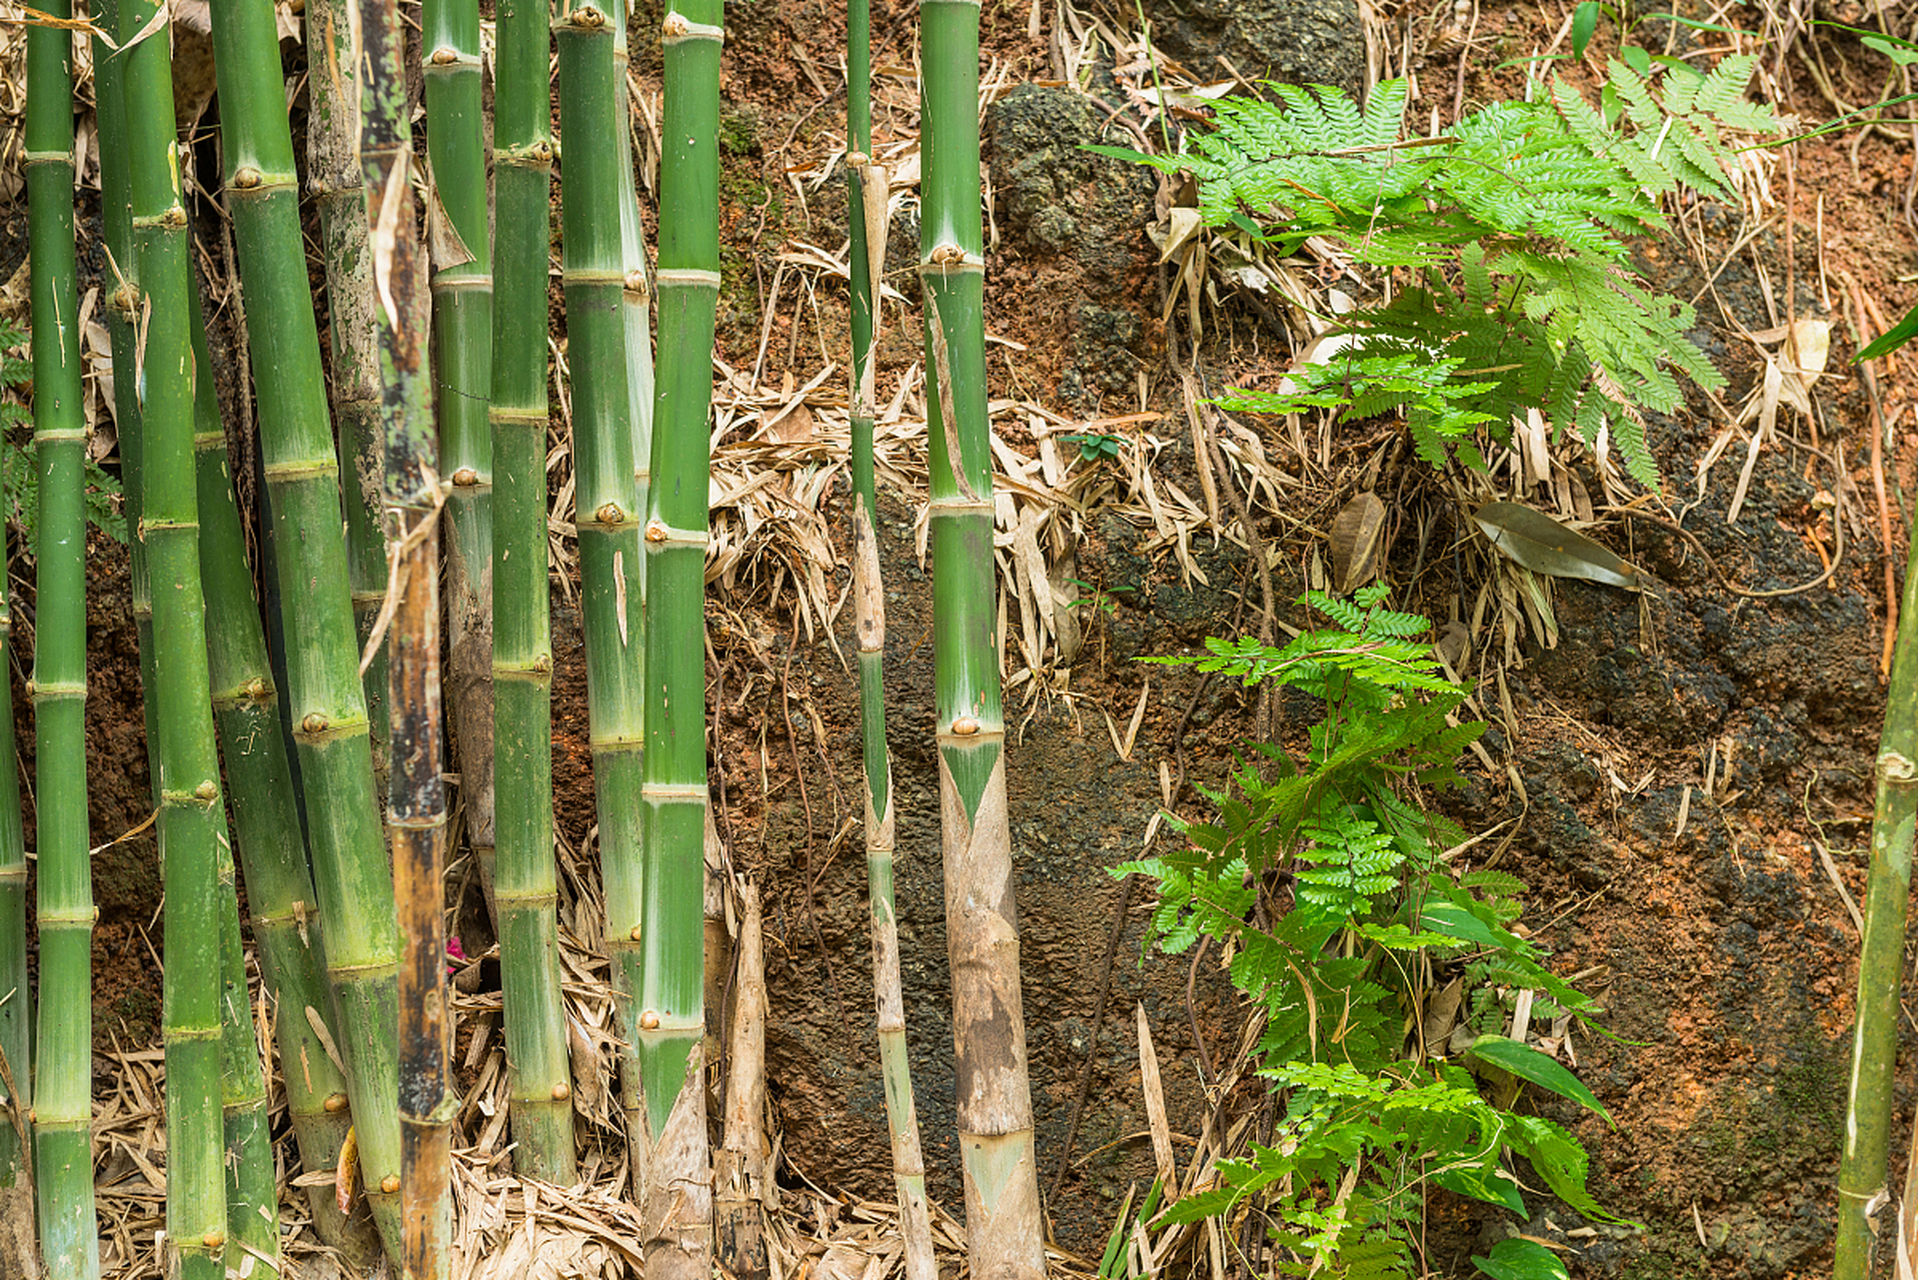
(866, 209)
(17, 1253)
(192, 816)
(1004, 1234)
(1863, 1161)
(539, 1089)
(606, 511)
(416, 791)
(677, 1198)
(324, 694)
(333, 168)
(61, 1089)
(462, 294)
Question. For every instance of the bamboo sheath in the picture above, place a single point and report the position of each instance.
(192, 818)
(866, 209)
(539, 1087)
(993, 1100)
(62, 1070)
(324, 693)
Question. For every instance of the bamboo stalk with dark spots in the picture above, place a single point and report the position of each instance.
(1004, 1234)
(333, 178)
(526, 890)
(416, 792)
(61, 1089)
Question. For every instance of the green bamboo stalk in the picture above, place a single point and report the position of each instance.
(463, 360)
(324, 692)
(1004, 1237)
(333, 178)
(191, 815)
(606, 512)
(866, 214)
(1862, 1170)
(252, 1184)
(416, 798)
(63, 1065)
(526, 889)
(672, 1020)
(271, 848)
(17, 1253)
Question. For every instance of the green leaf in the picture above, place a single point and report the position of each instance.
(1636, 58)
(1584, 23)
(1543, 545)
(1902, 52)
(1892, 339)
(1494, 1186)
(1541, 1069)
(1521, 1259)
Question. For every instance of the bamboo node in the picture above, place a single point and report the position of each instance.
(588, 17)
(465, 477)
(636, 282)
(1898, 768)
(634, 935)
(609, 513)
(965, 726)
(213, 1239)
(675, 25)
(542, 151)
(857, 159)
(947, 255)
(655, 532)
(445, 56)
(174, 218)
(649, 1021)
(542, 665)
(561, 1092)
(246, 177)
(314, 722)
(335, 1103)
(256, 690)
(207, 790)
(390, 1183)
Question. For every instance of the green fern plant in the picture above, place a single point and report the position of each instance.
(1508, 235)
(1373, 901)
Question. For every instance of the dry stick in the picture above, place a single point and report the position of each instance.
(1859, 335)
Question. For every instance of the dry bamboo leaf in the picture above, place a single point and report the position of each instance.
(1356, 530)
(1155, 1106)
(1537, 542)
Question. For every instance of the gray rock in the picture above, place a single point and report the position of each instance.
(1291, 41)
